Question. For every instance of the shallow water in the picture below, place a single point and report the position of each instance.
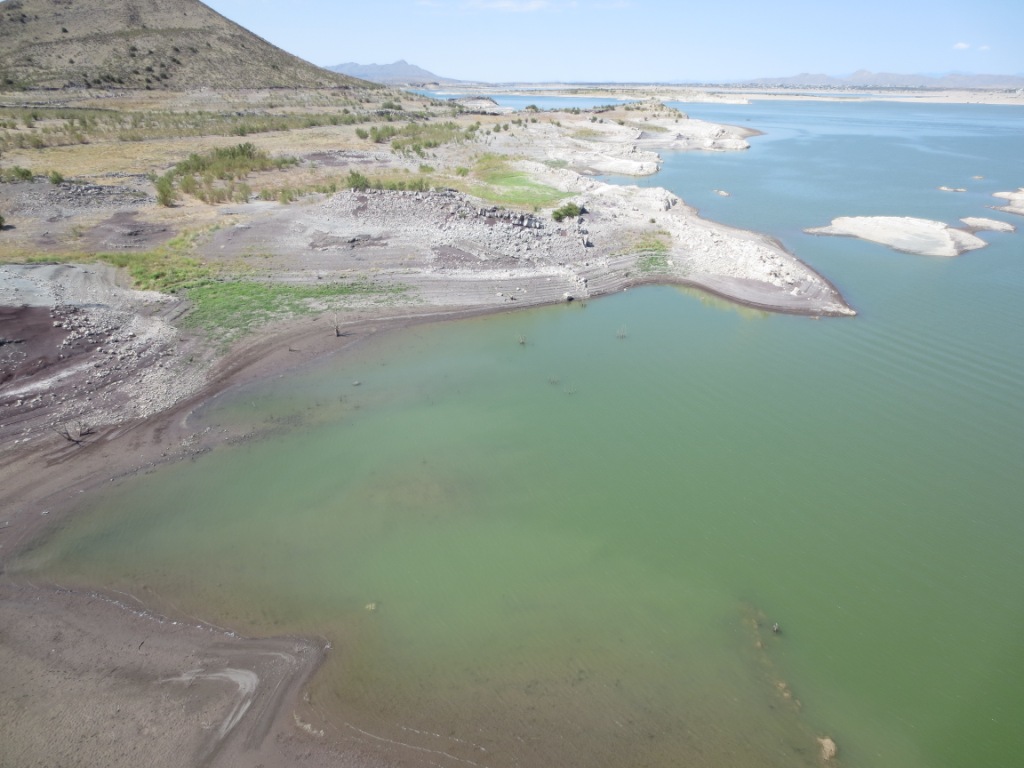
(566, 543)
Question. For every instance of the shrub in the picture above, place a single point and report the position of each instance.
(165, 190)
(362, 133)
(357, 181)
(17, 173)
(1, 221)
(55, 177)
(569, 210)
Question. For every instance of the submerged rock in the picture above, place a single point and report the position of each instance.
(828, 748)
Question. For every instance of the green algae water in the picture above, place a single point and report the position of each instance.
(570, 551)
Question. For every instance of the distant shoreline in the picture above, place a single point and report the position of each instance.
(738, 93)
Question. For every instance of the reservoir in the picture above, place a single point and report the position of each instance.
(562, 536)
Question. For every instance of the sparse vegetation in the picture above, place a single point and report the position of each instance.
(52, 127)
(225, 302)
(653, 251)
(16, 173)
(226, 309)
(652, 263)
(214, 177)
(360, 183)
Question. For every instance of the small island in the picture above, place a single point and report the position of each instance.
(904, 233)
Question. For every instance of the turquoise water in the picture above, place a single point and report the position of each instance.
(568, 552)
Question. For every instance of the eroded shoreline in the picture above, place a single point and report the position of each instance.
(457, 257)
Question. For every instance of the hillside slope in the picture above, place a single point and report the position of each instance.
(156, 44)
(399, 72)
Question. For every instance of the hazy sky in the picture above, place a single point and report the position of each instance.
(645, 40)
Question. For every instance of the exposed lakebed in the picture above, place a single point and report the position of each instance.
(559, 536)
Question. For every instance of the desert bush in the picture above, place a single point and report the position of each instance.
(569, 210)
(357, 181)
(165, 190)
(17, 173)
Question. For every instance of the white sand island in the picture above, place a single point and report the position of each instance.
(978, 224)
(1016, 204)
(904, 233)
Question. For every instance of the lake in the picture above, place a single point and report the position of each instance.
(571, 551)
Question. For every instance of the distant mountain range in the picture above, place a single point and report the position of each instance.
(399, 72)
(153, 44)
(865, 79)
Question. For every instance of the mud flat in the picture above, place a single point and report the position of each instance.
(80, 349)
(93, 679)
(904, 233)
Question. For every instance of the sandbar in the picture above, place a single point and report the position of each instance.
(980, 224)
(904, 233)
(1016, 201)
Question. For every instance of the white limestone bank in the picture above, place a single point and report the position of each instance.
(978, 224)
(1016, 204)
(595, 145)
(904, 233)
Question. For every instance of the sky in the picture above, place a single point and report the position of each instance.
(645, 40)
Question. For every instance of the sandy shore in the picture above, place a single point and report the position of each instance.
(742, 94)
(99, 379)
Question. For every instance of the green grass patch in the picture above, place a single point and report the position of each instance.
(652, 263)
(228, 309)
(164, 270)
(226, 304)
(504, 185)
(653, 251)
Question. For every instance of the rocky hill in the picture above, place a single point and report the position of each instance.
(154, 44)
(866, 79)
(399, 72)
